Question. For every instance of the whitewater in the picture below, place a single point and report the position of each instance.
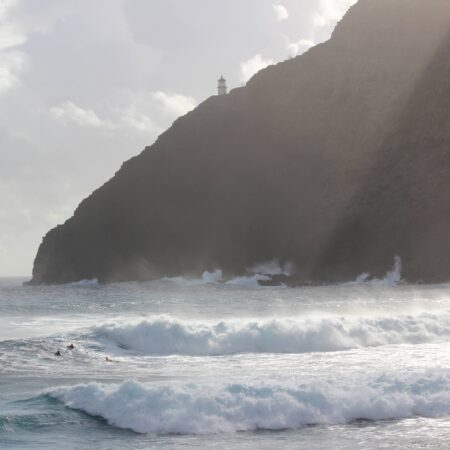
(182, 363)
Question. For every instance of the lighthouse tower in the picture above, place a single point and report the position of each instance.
(222, 87)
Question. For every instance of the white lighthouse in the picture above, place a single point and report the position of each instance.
(222, 87)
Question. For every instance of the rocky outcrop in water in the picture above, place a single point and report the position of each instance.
(336, 161)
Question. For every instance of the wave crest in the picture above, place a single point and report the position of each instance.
(167, 336)
(192, 409)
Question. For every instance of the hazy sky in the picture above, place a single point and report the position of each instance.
(86, 84)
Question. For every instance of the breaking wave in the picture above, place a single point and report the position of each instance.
(207, 278)
(391, 278)
(168, 336)
(273, 268)
(191, 409)
(83, 283)
(260, 272)
(251, 282)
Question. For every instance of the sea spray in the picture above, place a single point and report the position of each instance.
(392, 277)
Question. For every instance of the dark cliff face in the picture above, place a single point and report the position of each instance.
(336, 160)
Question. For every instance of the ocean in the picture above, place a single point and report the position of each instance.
(186, 364)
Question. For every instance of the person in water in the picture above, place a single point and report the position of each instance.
(107, 359)
(58, 353)
(70, 347)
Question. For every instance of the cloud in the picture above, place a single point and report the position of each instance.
(299, 47)
(173, 104)
(281, 12)
(69, 112)
(6, 6)
(132, 117)
(330, 11)
(253, 66)
(10, 36)
(12, 61)
(137, 121)
(11, 64)
(320, 18)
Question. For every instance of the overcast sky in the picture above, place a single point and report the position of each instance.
(86, 84)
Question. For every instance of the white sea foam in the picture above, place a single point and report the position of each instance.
(212, 277)
(272, 268)
(84, 283)
(167, 336)
(259, 272)
(207, 278)
(191, 409)
(391, 278)
(250, 281)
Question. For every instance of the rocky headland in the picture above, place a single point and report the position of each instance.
(334, 161)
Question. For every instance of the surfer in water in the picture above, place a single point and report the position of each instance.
(58, 353)
(110, 360)
(70, 347)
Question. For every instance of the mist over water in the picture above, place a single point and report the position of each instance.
(192, 362)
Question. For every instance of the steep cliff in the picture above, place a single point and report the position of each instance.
(336, 160)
